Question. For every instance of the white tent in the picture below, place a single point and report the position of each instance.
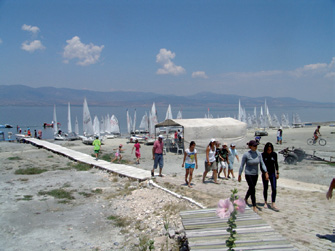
(225, 130)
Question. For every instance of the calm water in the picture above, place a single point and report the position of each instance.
(34, 117)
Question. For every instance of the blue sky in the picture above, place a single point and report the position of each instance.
(252, 48)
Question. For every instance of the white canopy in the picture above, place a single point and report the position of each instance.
(224, 130)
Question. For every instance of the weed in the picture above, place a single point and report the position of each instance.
(120, 221)
(26, 197)
(85, 194)
(81, 166)
(58, 194)
(67, 184)
(14, 158)
(23, 179)
(107, 157)
(50, 156)
(97, 191)
(146, 243)
(115, 179)
(30, 171)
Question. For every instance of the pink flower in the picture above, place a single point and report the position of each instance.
(225, 208)
(240, 205)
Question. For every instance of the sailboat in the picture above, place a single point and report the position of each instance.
(168, 113)
(76, 127)
(88, 137)
(145, 123)
(179, 115)
(114, 123)
(70, 135)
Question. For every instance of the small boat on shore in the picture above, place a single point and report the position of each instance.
(6, 126)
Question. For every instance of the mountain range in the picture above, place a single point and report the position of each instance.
(21, 95)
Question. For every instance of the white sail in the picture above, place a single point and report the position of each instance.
(168, 113)
(108, 125)
(96, 126)
(275, 121)
(153, 119)
(69, 125)
(145, 122)
(115, 128)
(134, 121)
(55, 125)
(87, 120)
(129, 124)
(76, 127)
(179, 115)
(102, 125)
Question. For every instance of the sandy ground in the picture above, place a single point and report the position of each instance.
(31, 220)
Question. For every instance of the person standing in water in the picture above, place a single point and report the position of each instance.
(190, 161)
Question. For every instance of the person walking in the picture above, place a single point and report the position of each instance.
(329, 194)
(271, 162)
(210, 162)
(251, 159)
(157, 156)
(137, 147)
(231, 157)
(97, 145)
(190, 161)
(280, 136)
(223, 160)
(118, 154)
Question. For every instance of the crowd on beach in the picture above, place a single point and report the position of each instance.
(220, 160)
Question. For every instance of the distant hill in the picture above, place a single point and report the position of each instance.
(23, 95)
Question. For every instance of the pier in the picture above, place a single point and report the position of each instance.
(125, 170)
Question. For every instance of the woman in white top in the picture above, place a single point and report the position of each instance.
(210, 162)
(190, 161)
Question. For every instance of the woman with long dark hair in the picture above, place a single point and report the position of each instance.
(251, 160)
(271, 162)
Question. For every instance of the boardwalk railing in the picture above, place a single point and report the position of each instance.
(206, 231)
(125, 170)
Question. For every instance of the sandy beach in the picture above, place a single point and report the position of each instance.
(108, 212)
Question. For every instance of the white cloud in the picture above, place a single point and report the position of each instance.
(32, 46)
(199, 74)
(33, 29)
(168, 67)
(85, 53)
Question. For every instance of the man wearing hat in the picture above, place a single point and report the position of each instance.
(157, 155)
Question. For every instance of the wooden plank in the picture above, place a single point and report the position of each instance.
(125, 170)
(206, 231)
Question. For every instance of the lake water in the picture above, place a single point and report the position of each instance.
(34, 117)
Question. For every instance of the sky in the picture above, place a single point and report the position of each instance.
(254, 48)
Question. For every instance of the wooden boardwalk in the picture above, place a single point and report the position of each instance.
(125, 170)
(206, 231)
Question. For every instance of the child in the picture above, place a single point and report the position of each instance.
(190, 161)
(96, 143)
(118, 153)
(223, 159)
(137, 147)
